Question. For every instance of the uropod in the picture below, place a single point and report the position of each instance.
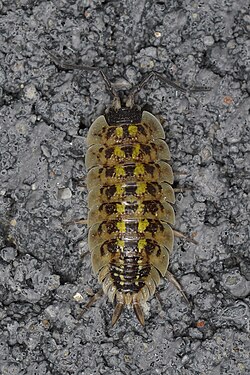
(130, 198)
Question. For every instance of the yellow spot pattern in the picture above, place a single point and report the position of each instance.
(120, 208)
(132, 129)
(139, 169)
(140, 208)
(121, 226)
(142, 225)
(119, 152)
(120, 244)
(119, 190)
(136, 151)
(119, 171)
(141, 244)
(119, 132)
(141, 188)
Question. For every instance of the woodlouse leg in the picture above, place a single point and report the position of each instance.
(92, 300)
(180, 173)
(83, 255)
(170, 277)
(80, 181)
(158, 296)
(64, 65)
(131, 97)
(182, 235)
(181, 190)
(80, 221)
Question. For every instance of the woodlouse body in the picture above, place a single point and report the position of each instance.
(130, 206)
(130, 198)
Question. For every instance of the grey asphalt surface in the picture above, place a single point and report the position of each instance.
(45, 113)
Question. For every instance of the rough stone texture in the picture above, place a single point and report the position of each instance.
(45, 113)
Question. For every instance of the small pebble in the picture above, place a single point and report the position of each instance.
(64, 193)
(208, 40)
(8, 254)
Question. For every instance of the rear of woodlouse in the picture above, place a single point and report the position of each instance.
(130, 199)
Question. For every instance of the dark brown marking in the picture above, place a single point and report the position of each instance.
(110, 171)
(151, 188)
(151, 246)
(150, 168)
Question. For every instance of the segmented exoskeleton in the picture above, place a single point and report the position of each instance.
(130, 196)
(130, 200)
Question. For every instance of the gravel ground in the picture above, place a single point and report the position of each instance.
(45, 270)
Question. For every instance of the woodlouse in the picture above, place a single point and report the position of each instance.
(130, 199)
